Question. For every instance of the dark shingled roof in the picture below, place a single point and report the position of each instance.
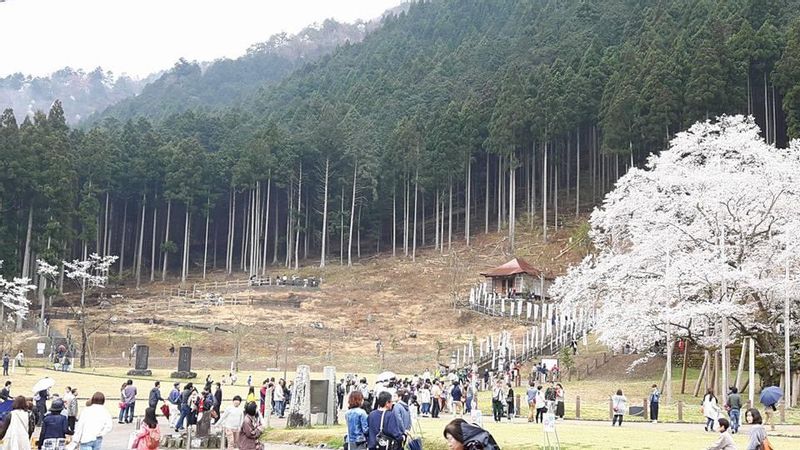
(513, 267)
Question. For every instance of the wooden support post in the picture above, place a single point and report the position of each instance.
(610, 408)
(702, 374)
(680, 410)
(645, 409)
(714, 378)
(740, 368)
(577, 406)
(685, 360)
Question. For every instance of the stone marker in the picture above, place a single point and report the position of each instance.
(142, 355)
(184, 364)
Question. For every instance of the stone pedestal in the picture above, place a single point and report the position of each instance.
(184, 364)
(142, 356)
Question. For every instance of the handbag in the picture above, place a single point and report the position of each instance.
(387, 442)
(766, 445)
(123, 405)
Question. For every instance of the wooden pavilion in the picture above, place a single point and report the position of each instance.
(520, 278)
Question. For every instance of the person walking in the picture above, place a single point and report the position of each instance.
(129, 401)
(185, 406)
(20, 359)
(251, 430)
(619, 405)
(93, 423)
(356, 420)
(217, 402)
(174, 400)
(725, 440)
(155, 395)
(231, 420)
(40, 409)
(541, 404)
(710, 409)
(530, 395)
(497, 401)
(654, 398)
(758, 434)
(6, 361)
(16, 429)
(734, 407)
(149, 435)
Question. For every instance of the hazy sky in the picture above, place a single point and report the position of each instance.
(143, 36)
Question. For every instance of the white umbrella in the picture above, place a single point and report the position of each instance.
(386, 376)
(43, 384)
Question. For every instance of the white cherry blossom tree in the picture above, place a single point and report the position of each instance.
(704, 232)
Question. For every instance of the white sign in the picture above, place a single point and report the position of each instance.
(40, 348)
(549, 423)
(549, 363)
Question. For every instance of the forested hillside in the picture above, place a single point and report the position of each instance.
(453, 118)
(228, 82)
(81, 93)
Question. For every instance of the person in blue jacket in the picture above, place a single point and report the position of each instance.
(54, 424)
(383, 421)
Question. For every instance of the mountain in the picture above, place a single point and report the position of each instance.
(228, 82)
(81, 93)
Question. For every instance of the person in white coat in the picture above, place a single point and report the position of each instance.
(710, 409)
(15, 431)
(619, 404)
(231, 420)
(94, 423)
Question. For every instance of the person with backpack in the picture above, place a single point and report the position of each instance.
(462, 435)
(149, 435)
(385, 431)
(655, 396)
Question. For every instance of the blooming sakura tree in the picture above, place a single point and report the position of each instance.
(14, 296)
(87, 274)
(704, 232)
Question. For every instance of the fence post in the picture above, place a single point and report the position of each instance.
(645, 411)
(680, 410)
(577, 406)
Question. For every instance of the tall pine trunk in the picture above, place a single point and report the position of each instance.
(416, 195)
(141, 245)
(394, 221)
(185, 261)
(450, 219)
(486, 200)
(324, 216)
(299, 207)
(544, 193)
(205, 240)
(352, 215)
(26, 259)
(122, 239)
(153, 242)
(467, 205)
(578, 172)
(166, 239)
(266, 228)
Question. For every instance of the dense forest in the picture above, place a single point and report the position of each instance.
(455, 117)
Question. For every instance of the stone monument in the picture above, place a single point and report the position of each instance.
(142, 355)
(184, 364)
(300, 406)
(331, 418)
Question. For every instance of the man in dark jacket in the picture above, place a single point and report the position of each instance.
(217, 401)
(184, 406)
(5, 393)
(391, 427)
(155, 395)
